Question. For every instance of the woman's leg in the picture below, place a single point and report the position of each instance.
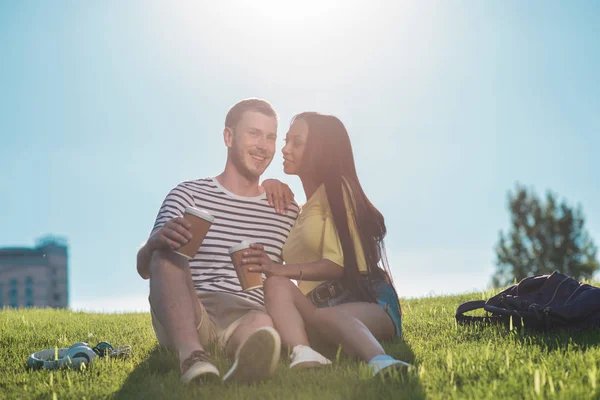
(284, 304)
(358, 327)
(290, 309)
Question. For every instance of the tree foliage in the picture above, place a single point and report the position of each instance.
(543, 237)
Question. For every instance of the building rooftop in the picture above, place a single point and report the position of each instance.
(42, 246)
(19, 251)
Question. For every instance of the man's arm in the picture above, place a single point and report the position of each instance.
(172, 235)
(143, 261)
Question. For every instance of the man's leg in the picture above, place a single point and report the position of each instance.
(174, 302)
(256, 347)
(249, 324)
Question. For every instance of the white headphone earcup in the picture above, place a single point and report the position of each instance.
(80, 354)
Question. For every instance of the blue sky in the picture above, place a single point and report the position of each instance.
(105, 106)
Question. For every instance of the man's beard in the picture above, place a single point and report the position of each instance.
(238, 161)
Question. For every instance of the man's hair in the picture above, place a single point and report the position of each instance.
(235, 113)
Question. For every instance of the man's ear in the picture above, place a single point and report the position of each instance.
(228, 136)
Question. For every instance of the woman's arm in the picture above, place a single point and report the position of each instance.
(279, 195)
(321, 270)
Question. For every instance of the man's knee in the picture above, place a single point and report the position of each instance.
(251, 322)
(162, 259)
(258, 319)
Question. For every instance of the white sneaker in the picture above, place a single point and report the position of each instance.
(257, 357)
(305, 357)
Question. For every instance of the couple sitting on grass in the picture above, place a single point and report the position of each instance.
(332, 246)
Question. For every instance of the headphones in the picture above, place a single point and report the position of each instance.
(73, 357)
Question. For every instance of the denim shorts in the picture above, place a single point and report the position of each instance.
(385, 296)
(388, 300)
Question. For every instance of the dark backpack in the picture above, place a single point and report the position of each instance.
(542, 302)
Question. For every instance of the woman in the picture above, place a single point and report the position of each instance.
(333, 251)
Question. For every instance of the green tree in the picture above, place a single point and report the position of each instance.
(543, 237)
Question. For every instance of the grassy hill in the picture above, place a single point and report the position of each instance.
(451, 362)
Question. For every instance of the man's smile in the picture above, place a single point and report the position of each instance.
(258, 158)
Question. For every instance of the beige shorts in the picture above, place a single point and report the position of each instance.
(218, 316)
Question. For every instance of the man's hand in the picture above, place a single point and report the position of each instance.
(261, 261)
(279, 194)
(172, 235)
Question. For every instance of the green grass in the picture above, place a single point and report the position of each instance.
(451, 362)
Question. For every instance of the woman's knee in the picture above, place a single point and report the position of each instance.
(276, 286)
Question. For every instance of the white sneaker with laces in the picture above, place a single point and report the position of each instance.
(198, 364)
(305, 357)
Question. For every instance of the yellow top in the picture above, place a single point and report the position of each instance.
(314, 237)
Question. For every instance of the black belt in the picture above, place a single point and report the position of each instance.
(325, 291)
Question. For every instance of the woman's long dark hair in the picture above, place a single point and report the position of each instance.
(328, 159)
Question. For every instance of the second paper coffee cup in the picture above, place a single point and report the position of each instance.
(248, 280)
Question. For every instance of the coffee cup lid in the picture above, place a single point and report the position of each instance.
(200, 213)
(244, 244)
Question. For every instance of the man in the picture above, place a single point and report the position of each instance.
(201, 301)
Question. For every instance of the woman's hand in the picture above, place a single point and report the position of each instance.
(261, 262)
(279, 194)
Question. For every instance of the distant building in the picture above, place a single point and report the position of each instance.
(35, 277)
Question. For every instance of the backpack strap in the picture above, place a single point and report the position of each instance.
(471, 306)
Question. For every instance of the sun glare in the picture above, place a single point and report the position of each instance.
(292, 43)
(288, 12)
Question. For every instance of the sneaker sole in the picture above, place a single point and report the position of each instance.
(198, 371)
(400, 366)
(308, 364)
(257, 357)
